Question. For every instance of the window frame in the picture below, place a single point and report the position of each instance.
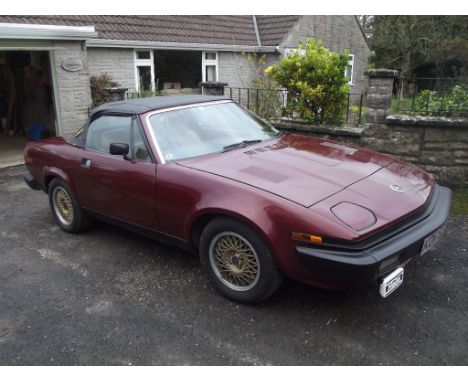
(210, 62)
(350, 63)
(144, 62)
(151, 133)
(136, 123)
(287, 51)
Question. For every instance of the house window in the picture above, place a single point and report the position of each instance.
(349, 69)
(144, 71)
(144, 78)
(143, 54)
(209, 66)
(289, 51)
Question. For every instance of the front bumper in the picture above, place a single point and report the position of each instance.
(361, 264)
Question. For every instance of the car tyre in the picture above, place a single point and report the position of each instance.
(238, 262)
(65, 208)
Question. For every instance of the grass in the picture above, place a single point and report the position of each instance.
(460, 202)
(404, 105)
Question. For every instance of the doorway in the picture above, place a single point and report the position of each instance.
(27, 110)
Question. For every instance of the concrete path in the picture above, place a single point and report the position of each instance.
(108, 297)
(11, 150)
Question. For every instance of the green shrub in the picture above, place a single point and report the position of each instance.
(99, 86)
(316, 82)
(455, 103)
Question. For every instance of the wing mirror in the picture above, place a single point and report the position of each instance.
(119, 149)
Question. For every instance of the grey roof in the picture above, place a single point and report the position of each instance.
(143, 105)
(228, 30)
(232, 30)
(272, 29)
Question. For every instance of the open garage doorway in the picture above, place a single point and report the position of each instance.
(27, 110)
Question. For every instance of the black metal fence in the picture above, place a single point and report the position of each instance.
(431, 96)
(267, 103)
(271, 103)
(135, 95)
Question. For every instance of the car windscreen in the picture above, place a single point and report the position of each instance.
(77, 138)
(204, 129)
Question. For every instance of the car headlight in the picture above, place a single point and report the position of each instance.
(353, 215)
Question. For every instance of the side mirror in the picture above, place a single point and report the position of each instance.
(119, 149)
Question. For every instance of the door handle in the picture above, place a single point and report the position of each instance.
(85, 163)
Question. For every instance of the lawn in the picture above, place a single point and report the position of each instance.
(460, 202)
(405, 104)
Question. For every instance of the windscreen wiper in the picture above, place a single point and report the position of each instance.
(241, 144)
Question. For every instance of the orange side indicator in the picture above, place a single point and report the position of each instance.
(28, 159)
(308, 238)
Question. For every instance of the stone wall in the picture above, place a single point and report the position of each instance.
(437, 145)
(73, 94)
(119, 63)
(346, 134)
(235, 69)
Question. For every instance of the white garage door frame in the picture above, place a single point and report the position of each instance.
(32, 37)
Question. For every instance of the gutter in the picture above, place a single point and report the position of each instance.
(104, 43)
(259, 41)
(46, 32)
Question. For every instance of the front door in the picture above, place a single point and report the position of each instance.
(117, 186)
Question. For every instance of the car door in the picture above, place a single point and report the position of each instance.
(122, 187)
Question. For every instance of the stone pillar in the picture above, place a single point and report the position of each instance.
(213, 88)
(72, 93)
(379, 94)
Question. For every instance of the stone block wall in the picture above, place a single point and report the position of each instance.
(236, 70)
(345, 134)
(119, 63)
(73, 94)
(437, 145)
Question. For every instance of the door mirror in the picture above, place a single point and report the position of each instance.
(119, 149)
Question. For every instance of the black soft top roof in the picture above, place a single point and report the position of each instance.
(143, 105)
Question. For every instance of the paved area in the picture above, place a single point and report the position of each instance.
(11, 150)
(111, 297)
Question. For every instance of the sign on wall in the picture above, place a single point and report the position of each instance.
(72, 64)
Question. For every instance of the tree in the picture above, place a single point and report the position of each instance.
(366, 22)
(315, 80)
(419, 45)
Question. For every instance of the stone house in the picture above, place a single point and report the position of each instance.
(59, 54)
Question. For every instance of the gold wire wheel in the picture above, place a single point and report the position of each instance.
(63, 205)
(234, 261)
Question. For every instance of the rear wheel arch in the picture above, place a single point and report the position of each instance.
(54, 173)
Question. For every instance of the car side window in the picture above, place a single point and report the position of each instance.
(139, 150)
(106, 130)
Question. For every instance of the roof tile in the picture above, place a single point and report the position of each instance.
(212, 29)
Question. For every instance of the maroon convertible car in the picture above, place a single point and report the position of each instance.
(203, 173)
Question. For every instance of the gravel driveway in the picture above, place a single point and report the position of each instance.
(114, 298)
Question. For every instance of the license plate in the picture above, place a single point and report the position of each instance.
(430, 241)
(391, 282)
